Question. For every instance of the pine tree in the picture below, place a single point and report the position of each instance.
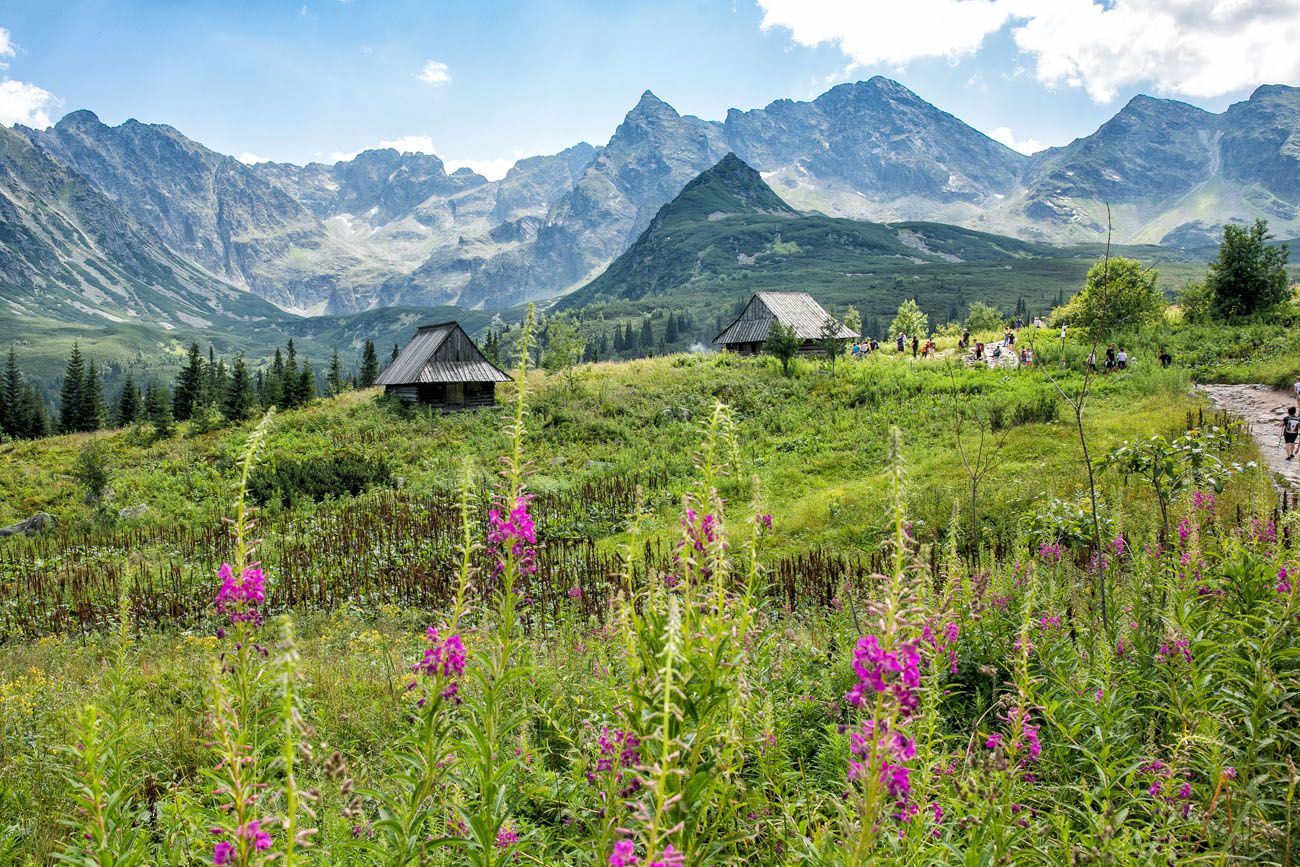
(396, 352)
(647, 335)
(128, 403)
(334, 381)
(12, 422)
(670, 330)
(189, 383)
(70, 398)
(273, 386)
(604, 345)
(158, 409)
(238, 402)
(92, 399)
(629, 339)
(36, 421)
(306, 385)
(290, 379)
(369, 365)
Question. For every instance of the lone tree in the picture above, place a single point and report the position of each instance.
(565, 345)
(1248, 276)
(831, 342)
(783, 342)
(983, 317)
(1118, 294)
(369, 366)
(910, 319)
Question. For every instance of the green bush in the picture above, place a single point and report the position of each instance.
(288, 481)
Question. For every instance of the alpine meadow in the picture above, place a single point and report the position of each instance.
(830, 484)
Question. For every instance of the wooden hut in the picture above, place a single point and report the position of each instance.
(442, 368)
(796, 310)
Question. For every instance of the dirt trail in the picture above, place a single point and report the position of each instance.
(1262, 408)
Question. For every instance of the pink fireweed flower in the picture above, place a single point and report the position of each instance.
(442, 659)
(1283, 580)
(1050, 552)
(895, 749)
(942, 642)
(763, 521)
(513, 536)
(671, 858)
(1118, 545)
(1122, 647)
(575, 592)
(897, 672)
(1049, 623)
(239, 598)
(253, 833)
(1202, 500)
(506, 838)
(1181, 648)
(223, 853)
(618, 754)
(1184, 531)
(624, 854)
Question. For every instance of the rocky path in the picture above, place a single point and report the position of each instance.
(1261, 408)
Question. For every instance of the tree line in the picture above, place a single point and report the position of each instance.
(208, 391)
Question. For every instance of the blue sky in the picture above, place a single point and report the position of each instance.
(485, 82)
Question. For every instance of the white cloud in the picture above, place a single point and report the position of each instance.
(435, 72)
(250, 159)
(1196, 48)
(1028, 146)
(21, 102)
(492, 169)
(27, 104)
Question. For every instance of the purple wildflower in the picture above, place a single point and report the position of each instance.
(897, 672)
(238, 598)
(624, 854)
(513, 536)
(223, 853)
(506, 838)
(1050, 552)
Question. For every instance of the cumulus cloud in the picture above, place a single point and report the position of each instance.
(492, 169)
(1004, 135)
(1196, 48)
(21, 102)
(250, 159)
(435, 73)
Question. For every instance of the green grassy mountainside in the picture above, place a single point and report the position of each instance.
(729, 234)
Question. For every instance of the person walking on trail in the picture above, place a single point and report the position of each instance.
(979, 350)
(1092, 360)
(1166, 359)
(1110, 358)
(916, 345)
(1290, 432)
(1121, 359)
(965, 338)
(900, 341)
(1296, 388)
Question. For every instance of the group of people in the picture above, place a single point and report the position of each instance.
(901, 343)
(1117, 359)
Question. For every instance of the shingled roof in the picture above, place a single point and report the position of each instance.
(441, 353)
(797, 310)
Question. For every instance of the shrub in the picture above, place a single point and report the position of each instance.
(287, 481)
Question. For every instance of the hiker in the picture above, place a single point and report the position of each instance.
(1166, 359)
(1024, 356)
(916, 345)
(1121, 359)
(965, 339)
(1110, 358)
(1020, 322)
(1092, 360)
(875, 345)
(979, 350)
(1297, 389)
(1038, 322)
(857, 350)
(997, 350)
(931, 348)
(1290, 431)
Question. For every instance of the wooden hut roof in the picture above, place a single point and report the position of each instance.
(416, 363)
(797, 310)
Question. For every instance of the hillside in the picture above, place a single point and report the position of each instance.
(728, 234)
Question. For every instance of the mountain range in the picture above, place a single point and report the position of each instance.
(137, 222)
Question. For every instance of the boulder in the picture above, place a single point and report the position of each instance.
(36, 522)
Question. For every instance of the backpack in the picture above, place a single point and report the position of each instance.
(1291, 424)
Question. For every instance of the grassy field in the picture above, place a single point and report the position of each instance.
(692, 687)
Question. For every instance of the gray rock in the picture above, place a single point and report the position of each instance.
(36, 522)
(133, 511)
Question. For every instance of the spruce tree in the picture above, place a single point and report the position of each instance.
(290, 378)
(35, 420)
(670, 330)
(647, 335)
(238, 402)
(369, 365)
(128, 403)
(70, 398)
(396, 352)
(11, 398)
(306, 385)
(334, 381)
(93, 408)
(189, 383)
(629, 339)
(158, 409)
